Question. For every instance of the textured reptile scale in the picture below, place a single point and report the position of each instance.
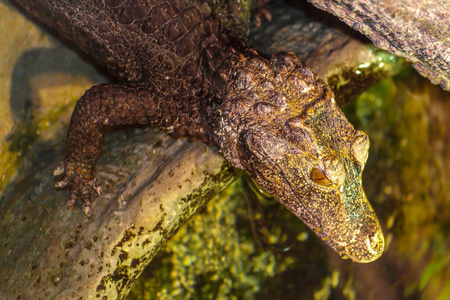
(163, 44)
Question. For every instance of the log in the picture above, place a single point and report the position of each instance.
(418, 30)
(152, 183)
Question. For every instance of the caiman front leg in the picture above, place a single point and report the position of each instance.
(101, 106)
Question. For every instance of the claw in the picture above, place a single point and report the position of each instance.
(262, 13)
(72, 203)
(62, 183)
(81, 181)
(59, 170)
(87, 208)
(86, 203)
(98, 190)
(96, 186)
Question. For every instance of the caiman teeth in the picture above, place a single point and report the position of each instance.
(341, 250)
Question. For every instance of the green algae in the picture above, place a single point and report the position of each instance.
(408, 170)
(348, 81)
(206, 264)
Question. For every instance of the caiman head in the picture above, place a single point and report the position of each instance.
(282, 125)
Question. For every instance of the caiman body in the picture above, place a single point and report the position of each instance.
(180, 69)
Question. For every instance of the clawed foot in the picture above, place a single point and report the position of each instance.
(80, 180)
(260, 14)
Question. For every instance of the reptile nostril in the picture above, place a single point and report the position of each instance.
(376, 243)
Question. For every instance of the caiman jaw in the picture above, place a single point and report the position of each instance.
(374, 246)
(360, 241)
(281, 125)
(354, 231)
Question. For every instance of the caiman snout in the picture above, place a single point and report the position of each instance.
(372, 249)
(362, 245)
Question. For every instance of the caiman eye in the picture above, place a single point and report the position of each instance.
(318, 176)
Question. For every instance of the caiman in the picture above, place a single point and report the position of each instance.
(179, 68)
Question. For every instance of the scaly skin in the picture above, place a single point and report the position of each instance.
(182, 71)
